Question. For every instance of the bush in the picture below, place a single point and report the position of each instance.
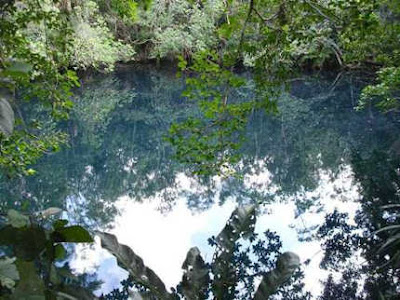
(179, 27)
(93, 45)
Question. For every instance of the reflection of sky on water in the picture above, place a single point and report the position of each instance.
(163, 239)
(123, 157)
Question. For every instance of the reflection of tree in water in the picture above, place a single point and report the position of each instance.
(244, 266)
(34, 257)
(378, 275)
(309, 136)
(117, 149)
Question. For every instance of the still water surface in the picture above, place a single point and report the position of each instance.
(320, 169)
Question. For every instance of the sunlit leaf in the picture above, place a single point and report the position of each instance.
(16, 219)
(8, 272)
(50, 212)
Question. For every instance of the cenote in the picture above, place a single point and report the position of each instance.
(317, 180)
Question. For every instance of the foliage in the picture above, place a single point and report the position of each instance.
(33, 75)
(209, 144)
(385, 93)
(23, 148)
(95, 108)
(134, 264)
(93, 45)
(343, 290)
(36, 248)
(373, 237)
(241, 223)
(40, 42)
(233, 271)
(178, 27)
(209, 141)
(390, 244)
(8, 272)
(118, 294)
(275, 39)
(16, 220)
(337, 253)
(125, 8)
(39, 75)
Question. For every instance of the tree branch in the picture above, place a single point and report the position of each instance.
(318, 10)
(251, 8)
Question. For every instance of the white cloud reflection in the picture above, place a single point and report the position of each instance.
(163, 239)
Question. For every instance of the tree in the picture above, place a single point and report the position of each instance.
(35, 249)
(40, 43)
(232, 269)
(275, 39)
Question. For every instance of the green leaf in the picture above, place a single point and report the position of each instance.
(54, 278)
(60, 224)
(17, 220)
(240, 224)
(8, 272)
(28, 242)
(390, 242)
(19, 67)
(31, 286)
(72, 234)
(30, 172)
(59, 251)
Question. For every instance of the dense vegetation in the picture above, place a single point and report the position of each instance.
(238, 59)
(44, 44)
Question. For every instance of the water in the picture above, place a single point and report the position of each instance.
(321, 170)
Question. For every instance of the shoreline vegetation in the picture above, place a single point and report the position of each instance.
(48, 46)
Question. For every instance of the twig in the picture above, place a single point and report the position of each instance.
(333, 85)
(267, 21)
(318, 10)
(251, 8)
(335, 48)
(66, 296)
